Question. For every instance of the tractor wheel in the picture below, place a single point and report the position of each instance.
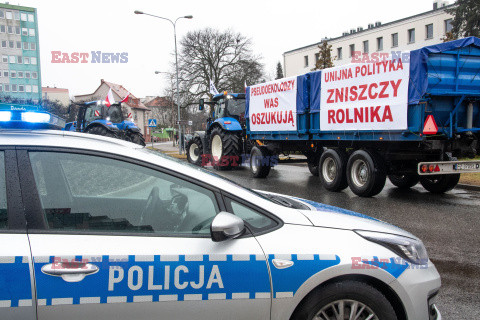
(101, 131)
(136, 137)
(225, 149)
(194, 150)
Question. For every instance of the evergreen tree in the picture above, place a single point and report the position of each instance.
(466, 19)
(279, 71)
(325, 59)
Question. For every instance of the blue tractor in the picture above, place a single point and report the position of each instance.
(95, 117)
(223, 141)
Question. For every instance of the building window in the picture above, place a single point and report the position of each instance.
(33, 46)
(305, 61)
(14, 88)
(317, 56)
(6, 87)
(19, 59)
(24, 32)
(448, 25)
(25, 46)
(27, 74)
(12, 59)
(2, 14)
(34, 75)
(411, 35)
(352, 50)
(17, 30)
(16, 15)
(28, 88)
(5, 59)
(19, 44)
(31, 32)
(6, 74)
(10, 29)
(365, 46)
(9, 15)
(11, 44)
(429, 31)
(20, 74)
(35, 89)
(339, 53)
(4, 43)
(23, 16)
(21, 88)
(3, 29)
(26, 60)
(13, 74)
(33, 60)
(379, 43)
(30, 18)
(394, 40)
(1, 88)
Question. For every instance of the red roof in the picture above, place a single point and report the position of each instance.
(160, 102)
(133, 102)
(48, 89)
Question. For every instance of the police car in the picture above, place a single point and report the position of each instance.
(98, 228)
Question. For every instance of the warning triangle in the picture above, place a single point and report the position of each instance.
(430, 126)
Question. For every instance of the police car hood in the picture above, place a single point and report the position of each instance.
(324, 215)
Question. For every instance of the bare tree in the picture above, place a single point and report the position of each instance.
(225, 57)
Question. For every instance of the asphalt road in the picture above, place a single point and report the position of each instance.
(448, 224)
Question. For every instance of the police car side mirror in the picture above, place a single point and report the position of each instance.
(201, 104)
(226, 226)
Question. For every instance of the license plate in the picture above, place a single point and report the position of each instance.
(466, 166)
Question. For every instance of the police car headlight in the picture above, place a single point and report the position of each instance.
(412, 250)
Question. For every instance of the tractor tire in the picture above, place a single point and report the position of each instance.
(101, 131)
(225, 149)
(136, 137)
(194, 151)
(440, 183)
(404, 181)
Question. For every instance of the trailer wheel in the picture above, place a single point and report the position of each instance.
(404, 181)
(440, 183)
(332, 169)
(194, 151)
(225, 149)
(313, 160)
(260, 162)
(366, 174)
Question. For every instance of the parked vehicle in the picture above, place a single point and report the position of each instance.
(95, 117)
(409, 118)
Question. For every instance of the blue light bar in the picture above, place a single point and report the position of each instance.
(35, 117)
(5, 116)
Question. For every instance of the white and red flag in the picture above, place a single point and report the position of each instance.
(126, 98)
(110, 99)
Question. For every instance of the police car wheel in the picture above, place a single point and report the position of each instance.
(345, 300)
(440, 183)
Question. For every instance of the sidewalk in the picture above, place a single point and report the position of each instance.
(168, 149)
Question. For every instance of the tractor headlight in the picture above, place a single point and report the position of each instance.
(409, 249)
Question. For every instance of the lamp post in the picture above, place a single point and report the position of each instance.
(174, 24)
(170, 75)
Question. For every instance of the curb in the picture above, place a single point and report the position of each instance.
(468, 187)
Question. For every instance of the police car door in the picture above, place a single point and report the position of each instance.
(113, 239)
(16, 273)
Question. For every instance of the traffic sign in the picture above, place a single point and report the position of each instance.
(152, 122)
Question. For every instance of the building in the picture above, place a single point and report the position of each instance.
(163, 109)
(405, 34)
(56, 94)
(135, 108)
(20, 55)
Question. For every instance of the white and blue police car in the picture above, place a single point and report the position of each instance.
(98, 228)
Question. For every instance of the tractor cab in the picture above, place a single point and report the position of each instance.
(229, 105)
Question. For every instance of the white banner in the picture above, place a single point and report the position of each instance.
(273, 105)
(366, 96)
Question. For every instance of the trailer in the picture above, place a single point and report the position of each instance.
(408, 117)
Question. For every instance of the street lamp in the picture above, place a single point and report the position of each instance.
(174, 24)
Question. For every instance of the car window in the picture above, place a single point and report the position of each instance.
(82, 192)
(252, 217)
(3, 193)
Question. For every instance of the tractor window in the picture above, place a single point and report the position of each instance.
(220, 109)
(115, 114)
(236, 108)
(93, 113)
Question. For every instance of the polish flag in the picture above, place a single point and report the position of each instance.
(126, 98)
(110, 99)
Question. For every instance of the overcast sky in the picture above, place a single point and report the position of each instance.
(111, 26)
